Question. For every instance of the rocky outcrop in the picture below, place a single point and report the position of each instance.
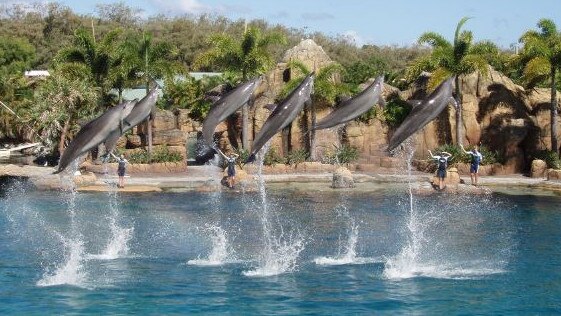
(539, 168)
(111, 168)
(342, 178)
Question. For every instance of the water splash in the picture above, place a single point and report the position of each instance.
(69, 272)
(430, 250)
(281, 249)
(220, 253)
(117, 246)
(347, 252)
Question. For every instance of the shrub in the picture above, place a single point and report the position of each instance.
(272, 157)
(395, 111)
(297, 156)
(550, 157)
(243, 154)
(159, 154)
(343, 155)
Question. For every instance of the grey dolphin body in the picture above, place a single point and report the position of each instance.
(137, 115)
(94, 133)
(423, 113)
(226, 106)
(283, 114)
(352, 108)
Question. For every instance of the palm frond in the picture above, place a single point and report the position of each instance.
(536, 70)
(433, 39)
(458, 29)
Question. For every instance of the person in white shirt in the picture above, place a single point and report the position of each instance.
(442, 160)
(476, 158)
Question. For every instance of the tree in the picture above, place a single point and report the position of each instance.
(459, 58)
(16, 55)
(150, 60)
(58, 105)
(246, 56)
(327, 87)
(89, 59)
(541, 56)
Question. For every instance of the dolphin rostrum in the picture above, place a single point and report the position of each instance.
(354, 107)
(283, 114)
(138, 114)
(226, 106)
(424, 112)
(94, 133)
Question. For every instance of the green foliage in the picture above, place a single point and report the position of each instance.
(395, 111)
(342, 155)
(160, 154)
(189, 93)
(273, 157)
(243, 154)
(550, 157)
(360, 71)
(296, 157)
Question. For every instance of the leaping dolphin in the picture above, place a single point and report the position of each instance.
(283, 114)
(424, 112)
(94, 133)
(226, 106)
(137, 115)
(352, 108)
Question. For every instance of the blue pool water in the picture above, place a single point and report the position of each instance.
(313, 252)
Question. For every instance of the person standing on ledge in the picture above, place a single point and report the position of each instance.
(476, 158)
(231, 167)
(442, 165)
(121, 168)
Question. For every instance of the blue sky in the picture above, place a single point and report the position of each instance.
(376, 22)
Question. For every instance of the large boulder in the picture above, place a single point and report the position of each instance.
(342, 178)
(539, 168)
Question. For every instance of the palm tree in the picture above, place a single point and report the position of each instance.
(89, 58)
(58, 104)
(150, 59)
(459, 58)
(541, 56)
(327, 88)
(246, 56)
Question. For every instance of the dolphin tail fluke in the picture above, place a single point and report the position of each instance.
(250, 159)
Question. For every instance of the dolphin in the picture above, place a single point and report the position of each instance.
(94, 133)
(137, 115)
(283, 114)
(424, 112)
(226, 106)
(354, 107)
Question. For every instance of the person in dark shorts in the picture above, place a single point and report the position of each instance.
(231, 167)
(442, 161)
(121, 169)
(476, 158)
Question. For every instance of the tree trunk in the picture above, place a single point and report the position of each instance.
(459, 121)
(245, 118)
(149, 123)
(245, 127)
(554, 146)
(286, 144)
(63, 136)
(313, 132)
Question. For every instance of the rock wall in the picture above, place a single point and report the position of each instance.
(497, 113)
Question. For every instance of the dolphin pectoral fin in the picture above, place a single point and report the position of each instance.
(127, 123)
(250, 159)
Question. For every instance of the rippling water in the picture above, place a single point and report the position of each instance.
(357, 253)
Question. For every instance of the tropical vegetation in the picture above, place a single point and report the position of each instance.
(92, 59)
